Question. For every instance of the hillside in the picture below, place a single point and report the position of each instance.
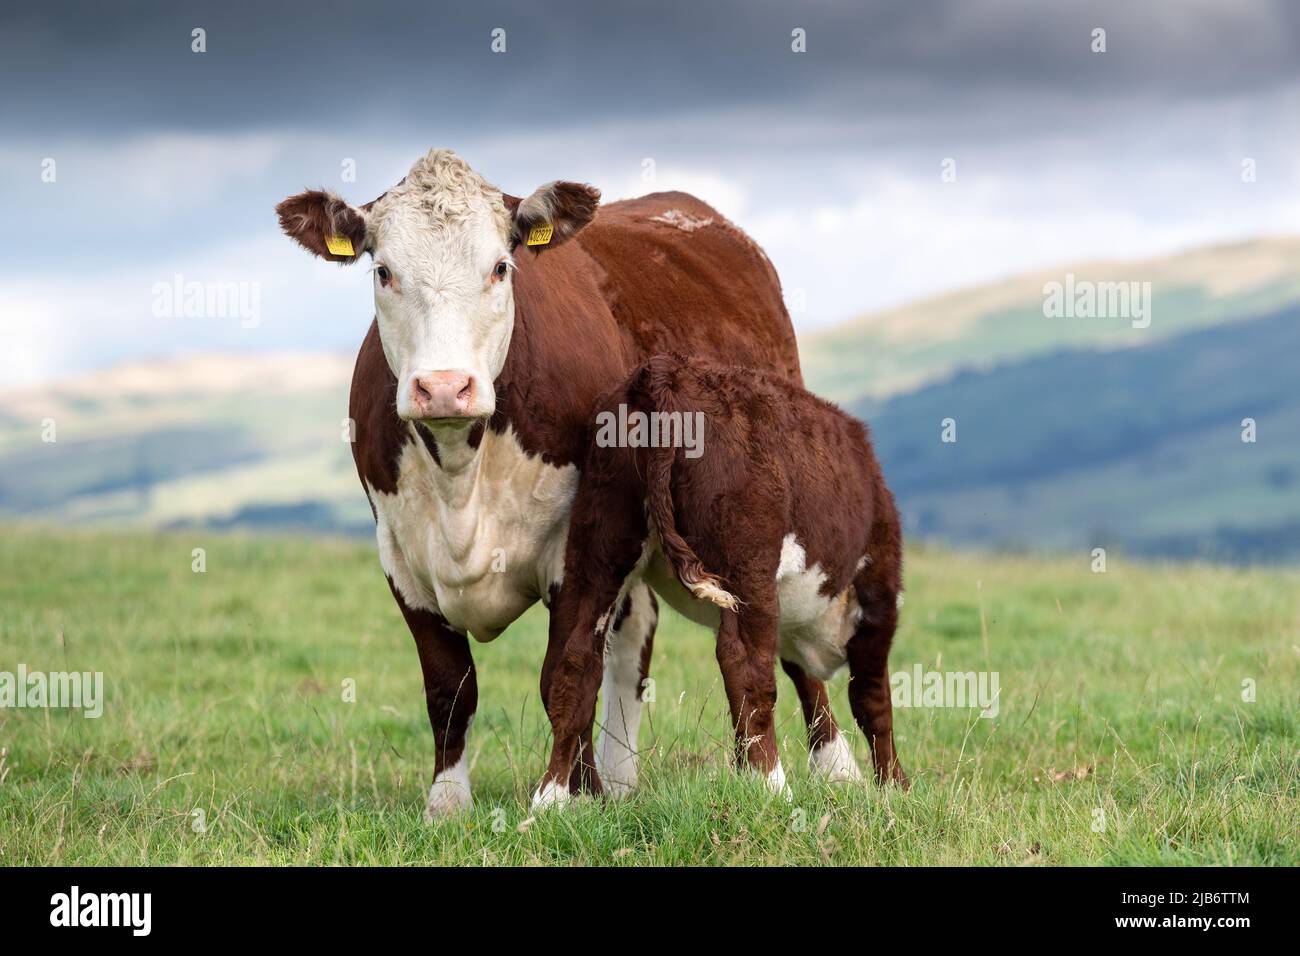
(1139, 449)
(902, 349)
(1072, 433)
(245, 440)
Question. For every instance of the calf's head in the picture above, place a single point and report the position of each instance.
(443, 244)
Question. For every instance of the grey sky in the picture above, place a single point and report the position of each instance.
(170, 161)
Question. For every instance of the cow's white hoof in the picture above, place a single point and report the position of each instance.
(618, 789)
(450, 793)
(550, 794)
(618, 781)
(833, 761)
(446, 799)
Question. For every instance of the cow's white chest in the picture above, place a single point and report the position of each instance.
(478, 547)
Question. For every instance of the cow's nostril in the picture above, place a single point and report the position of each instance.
(443, 394)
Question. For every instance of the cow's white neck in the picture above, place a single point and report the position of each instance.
(479, 538)
(458, 460)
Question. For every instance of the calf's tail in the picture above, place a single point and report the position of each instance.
(683, 560)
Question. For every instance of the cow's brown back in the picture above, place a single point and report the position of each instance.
(682, 278)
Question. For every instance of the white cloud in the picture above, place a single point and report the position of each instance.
(98, 318)
(32, 338)
(149, 175)
(855, 217)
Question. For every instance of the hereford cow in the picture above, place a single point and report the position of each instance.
(499, 323)
(773, 525)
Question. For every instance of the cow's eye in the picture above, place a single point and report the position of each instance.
(384, 275)
(501, 270)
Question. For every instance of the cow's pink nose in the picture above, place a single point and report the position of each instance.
(443, 394)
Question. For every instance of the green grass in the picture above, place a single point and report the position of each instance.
(1121, 693)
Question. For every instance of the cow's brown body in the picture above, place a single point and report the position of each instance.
(784, 520)
(627, 287)
(663, 272)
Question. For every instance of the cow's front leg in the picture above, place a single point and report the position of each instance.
(451, 692)
(627, 667)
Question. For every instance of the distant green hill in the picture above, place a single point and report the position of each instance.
(225, 440)
(1071, 432)
(1138, 448)
(902, 349)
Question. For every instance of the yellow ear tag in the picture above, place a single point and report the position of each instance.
(540, 235)
(339, 245)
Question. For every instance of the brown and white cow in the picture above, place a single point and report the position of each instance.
(755, 508)
(472, 396)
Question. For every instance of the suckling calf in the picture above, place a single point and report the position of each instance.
(752, 506)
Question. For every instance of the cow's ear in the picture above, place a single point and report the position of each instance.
(552, 215)
(324, 224)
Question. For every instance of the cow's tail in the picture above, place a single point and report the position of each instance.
(683, 560)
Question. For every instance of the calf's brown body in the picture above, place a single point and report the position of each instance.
(783, 520)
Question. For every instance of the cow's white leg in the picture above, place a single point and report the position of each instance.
(833, 760)
(627, 659)
(450, 791)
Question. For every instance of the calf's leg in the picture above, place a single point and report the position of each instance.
(570, 678)
(829, 753)
(746, 651)
(869, 695)
(606, 537)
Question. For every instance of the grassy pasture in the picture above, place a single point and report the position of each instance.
(1122, 735)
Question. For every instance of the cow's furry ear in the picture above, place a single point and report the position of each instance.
(564, 207)
(313, 217)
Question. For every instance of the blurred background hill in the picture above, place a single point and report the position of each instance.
(222, 440)
(1071, 432)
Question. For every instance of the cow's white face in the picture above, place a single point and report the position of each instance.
(443, 243)
(444, 304)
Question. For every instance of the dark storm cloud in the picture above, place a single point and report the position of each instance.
(72, 69)
(170, 163)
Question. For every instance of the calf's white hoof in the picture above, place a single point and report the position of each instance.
(776, 785)
(550, 794)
